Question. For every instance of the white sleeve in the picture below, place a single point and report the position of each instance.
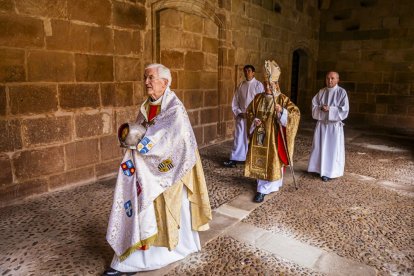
(284, 117)
(340, 112)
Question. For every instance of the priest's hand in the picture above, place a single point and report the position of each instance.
(325, 108)
(257, 122)
(278, 108)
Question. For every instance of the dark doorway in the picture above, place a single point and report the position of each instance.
(294, 87)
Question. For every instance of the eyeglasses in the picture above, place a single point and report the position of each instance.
(151, 78)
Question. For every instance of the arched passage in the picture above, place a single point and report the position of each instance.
(300, 85)
(196, 58)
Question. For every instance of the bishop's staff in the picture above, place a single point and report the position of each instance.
(268, 68)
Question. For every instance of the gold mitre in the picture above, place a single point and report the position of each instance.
(272, 71)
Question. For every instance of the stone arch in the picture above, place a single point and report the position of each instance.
(206, 10)
(302, 70)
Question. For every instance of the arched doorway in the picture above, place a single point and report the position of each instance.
(300, 88)
(294, 86)
(188, 37)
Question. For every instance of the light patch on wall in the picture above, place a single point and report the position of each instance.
(47, 25)
(106, 123)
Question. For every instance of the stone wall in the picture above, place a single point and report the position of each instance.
(371, 44)
(71, 73)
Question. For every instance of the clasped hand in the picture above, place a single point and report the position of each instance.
(258, 122)
(325, 108)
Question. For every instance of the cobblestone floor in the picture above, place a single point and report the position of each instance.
(366, 216)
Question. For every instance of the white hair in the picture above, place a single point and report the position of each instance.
(163, 71)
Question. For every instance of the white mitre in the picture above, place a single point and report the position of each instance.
(272, 71)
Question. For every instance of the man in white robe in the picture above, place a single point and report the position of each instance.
(329, 107)
(245, 93)
(160, 199)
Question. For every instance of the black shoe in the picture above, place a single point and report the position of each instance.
(259, 197)
(325, 178)
(230, 164)
(113, 272)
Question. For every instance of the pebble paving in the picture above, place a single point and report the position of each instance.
(63, 233)
(355, 219)
(226, 256)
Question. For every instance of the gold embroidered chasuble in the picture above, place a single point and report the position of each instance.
(263, 160)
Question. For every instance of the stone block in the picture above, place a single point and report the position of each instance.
(400, 88)
(110, 148)
(168, 39)
(171, 18)
(209, 133)
(367, 108)
(198, 133)
(43, 8)
(209, 80)
(60, 38)
(127, 42)
(3, 101)
(94, 68)
(364, 87)
(174, 82)
(124, 116)
(127, 69)
(78, 96)
(211, 62)
(82, 38)
(380, 108)
(81, 153)
(172, 59)
(7, 5)
(210, 28)
(348, 86)
(381, 88)
(38, 131)
(139, 94)
(192, 23)
(397, 109)
(211, 98)
(228, 114)
(117, 94)
(194, 61)
(388, 99)
(210, 45)
(40, 162)
(6, 174)
(209, 115)
(92, 11)
(89, 125)
(32, 99)
(404, 77)
(194, 117)
(10, 135)
(136, 43)
(81, 175)
(107, 168)
(50, 66)
(19, 31)
(11, 193)
(190, 41)
(12, 65)
(193, 99)
(189, 80)
(128, 16)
